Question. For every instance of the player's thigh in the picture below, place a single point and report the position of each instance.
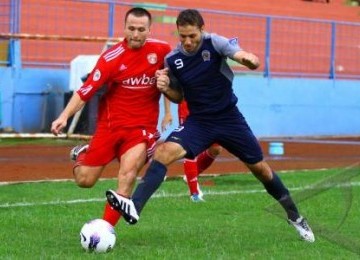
(239, 140)
(101, 149)
(133, 159)
(131, 162)
(87, 176)
(134, 149)
(193, 136)
(169, 152)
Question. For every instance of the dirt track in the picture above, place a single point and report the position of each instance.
(39, 162)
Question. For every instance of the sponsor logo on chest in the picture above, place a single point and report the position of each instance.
(139, 82)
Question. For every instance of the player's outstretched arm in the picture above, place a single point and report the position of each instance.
(247, 59)
(74, 105)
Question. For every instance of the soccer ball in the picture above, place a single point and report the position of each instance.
(97, 236)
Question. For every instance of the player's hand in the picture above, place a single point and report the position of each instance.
(57, 126)
(250, 60)
(164, 71)
(166, 121)
(162, 83)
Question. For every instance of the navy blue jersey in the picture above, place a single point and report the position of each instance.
(205, 76)
(206, 80)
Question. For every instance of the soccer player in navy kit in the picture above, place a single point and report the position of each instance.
(197, 71)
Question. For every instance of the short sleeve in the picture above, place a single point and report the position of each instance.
(224, 46)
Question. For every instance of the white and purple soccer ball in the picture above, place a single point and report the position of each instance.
(97, 236)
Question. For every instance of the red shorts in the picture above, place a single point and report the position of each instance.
(107, 145)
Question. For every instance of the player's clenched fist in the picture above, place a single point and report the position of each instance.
(164, 71)
(250, 60)
(162, 80)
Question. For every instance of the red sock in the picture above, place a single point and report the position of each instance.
(204, 160)
(111, 215)
(191, 172)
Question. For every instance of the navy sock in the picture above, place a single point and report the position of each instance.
(151, 181)
(278, 191)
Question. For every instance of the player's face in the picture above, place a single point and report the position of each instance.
(136, 30)
(190, 37)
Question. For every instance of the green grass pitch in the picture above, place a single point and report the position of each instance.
(239, 220)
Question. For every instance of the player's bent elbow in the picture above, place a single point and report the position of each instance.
(177, 100)
(174, 97)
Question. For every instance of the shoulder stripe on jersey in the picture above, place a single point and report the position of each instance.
(172, 53)
(114, 53)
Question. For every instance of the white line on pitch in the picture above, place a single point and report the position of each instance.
(160, 194)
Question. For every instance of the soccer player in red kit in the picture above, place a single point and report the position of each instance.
(128, 111)
(192, 167)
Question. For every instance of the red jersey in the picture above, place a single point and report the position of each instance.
(183, 111)
(131, 98)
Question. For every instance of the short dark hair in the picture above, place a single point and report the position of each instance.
(138, 12)
(190, 17)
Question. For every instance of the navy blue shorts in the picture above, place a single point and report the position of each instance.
(229, 129)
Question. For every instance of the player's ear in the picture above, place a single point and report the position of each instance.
(149, 26)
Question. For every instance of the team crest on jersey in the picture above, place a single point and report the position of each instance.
(122, 67)
(97, 75)
(152, 58)
(233, 41)
(205, 55)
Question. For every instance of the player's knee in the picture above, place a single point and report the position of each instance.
(83, 180)
(160, 153)
(84, 183)
(261, 170)
(167, 153)
(215, 150)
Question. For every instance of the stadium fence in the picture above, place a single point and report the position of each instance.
(52, 33)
